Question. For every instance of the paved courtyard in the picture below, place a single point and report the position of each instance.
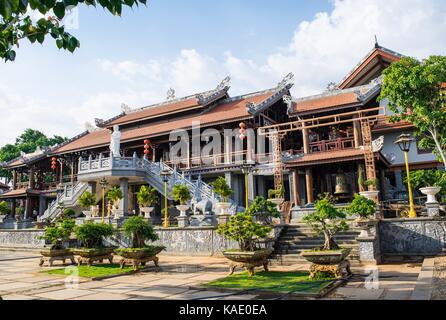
(20, 278)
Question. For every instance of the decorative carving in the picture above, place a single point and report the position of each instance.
(98, 121)
(332, 87)
(339, 271)
(378, 144)
(115, 142)
(224, 84)
(90, 128)
(171, 94)
(391, 157)
(125, 108)
(288, 79)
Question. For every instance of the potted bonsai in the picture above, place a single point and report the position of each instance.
(429, 182)
(140, 231)
(57, 235)
(222, 189)
(87, 201)
(363, 208)
(327, 220)
(277, 196)
(147, 198)
(247, 232)
(4, 210)
(115, 195)
(372, 193)
(181, 194)
(263, 211)
(92, 236)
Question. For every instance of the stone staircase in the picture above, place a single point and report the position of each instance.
(299, 237)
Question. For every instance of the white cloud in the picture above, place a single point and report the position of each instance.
(321, 50)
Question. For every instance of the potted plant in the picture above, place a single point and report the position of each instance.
(222, 189)
(115, 195)
(140, 231)
(429, 182)
(372, 193)
(277, 196)
(364, 208)
(327, 220)
(263, 211)
(92, 236)
(247, 232)
(56, 236)
(181, 194)
(87, 201)
(4, 210)
(147, 198)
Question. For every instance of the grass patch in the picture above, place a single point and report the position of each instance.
(272, 281)
(95, 271)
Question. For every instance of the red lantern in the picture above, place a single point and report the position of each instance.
(53, 163)
(242, 131)
(146, 147)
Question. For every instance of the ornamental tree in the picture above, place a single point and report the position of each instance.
(139, 230)
(416, 93)
(222, 188)
(17, 25)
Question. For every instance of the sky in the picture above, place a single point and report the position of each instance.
(192, 45)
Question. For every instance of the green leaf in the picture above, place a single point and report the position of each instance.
(59, 10)
(59, 43)
(10, 55)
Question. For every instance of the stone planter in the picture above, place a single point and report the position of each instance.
(371, 195)
(248, 259)
(431, 193)
(224, 206)
(277, 201)
(52, 255)
(183, 208)
(147, 211)
(326, 257)
(89, 256)
(364, 225)
(139, 257)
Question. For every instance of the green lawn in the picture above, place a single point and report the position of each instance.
(272, 281)
(95, 271)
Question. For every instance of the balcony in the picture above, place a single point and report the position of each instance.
(332, 145)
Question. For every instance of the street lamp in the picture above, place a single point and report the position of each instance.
(404, 142)
(104, 185)
(165, 174)
(245, 168)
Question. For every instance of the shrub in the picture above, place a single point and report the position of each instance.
(243, 229)
(115, 194)
(19, 211)
(427, 178)
(56, 235)
(372, 184)
(361, 206)
(92, 234)
(263, 210)
(87, 199)
(222, 188)
(4, 208)
(181, 193)
(147, 196)
(68, 213)
(327, 220)
(140, 231)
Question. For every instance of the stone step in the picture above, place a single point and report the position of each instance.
(314, 244)
(305, 238)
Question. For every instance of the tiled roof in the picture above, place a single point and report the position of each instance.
(3, 186)
(326, 157)
(18, 193)
(228, 110)
(24, 159)
(384, 125)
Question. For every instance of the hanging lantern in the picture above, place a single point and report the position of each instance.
(242, 131)
(146, 147)
(53, 163)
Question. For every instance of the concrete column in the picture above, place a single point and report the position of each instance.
(399, 180)
(250, 146)
(261, 186)
(13, 207)
(28, 208)
(124, 206)
(31, 180)
(251, 187)
(14, 180)
(382, 180)
(230, 181)
(41, 205)
(92, 186)
(309, 185)
(228, 148)
(306, 141)
(72, 172)
(295, 188)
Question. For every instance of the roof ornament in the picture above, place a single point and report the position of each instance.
(288, 101)
(224, 84)
(125, 108)
(170, 94)
(332, 87)
(89, 127)
(287, 80)
(99, 122)
(376, 42)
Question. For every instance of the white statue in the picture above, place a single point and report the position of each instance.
(115, 142)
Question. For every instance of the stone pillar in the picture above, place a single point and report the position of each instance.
(92, 186)
(41, 205)
(228, 148)
(251, 187)
(250, 146)
(369, 248)
(261, 186)
(13, 208)
(399, 180)
(357, 134)
(72, 172)
(306, 141)
(31, 180)
(124, 205)
(28, 208)
(14, 180)
(309, 185)
(382, 179)
(295, 188)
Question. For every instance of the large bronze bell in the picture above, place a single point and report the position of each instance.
(341, 183)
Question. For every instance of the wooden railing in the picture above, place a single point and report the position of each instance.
(332, 145)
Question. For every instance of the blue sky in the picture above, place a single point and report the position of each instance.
(192, 45)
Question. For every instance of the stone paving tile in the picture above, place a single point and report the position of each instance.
(157, 292)
(361, 294)
(204, 295)
(134, 278)
(397, 295)
(103, 296)
(64, 294)
(95, 284)
(14, 286)
(209, 277)
(118, 288)
(170, 282)
(18, 297)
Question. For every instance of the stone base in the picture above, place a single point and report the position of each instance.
(223, 218)
(183, 221)
(136, 263)
(249, 266)
(338, 271)
(369, 250)
(89, 261)
(50, 260)
(205, 220)
(433, 209)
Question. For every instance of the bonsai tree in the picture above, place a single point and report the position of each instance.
(363, 207)
(56, 235)
(278, 194)
(147, 196)
(115, 195)
(327, 220)
(371, 184)
(222, 188)
(4, 208)
(68, 213)
(243, 229)
(87, 199)
(92, 234)
(140, 231)
(428, 178)
(263, 211)
(181, 194)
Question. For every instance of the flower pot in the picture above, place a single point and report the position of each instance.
(147, 211)
(139, 253)
(183, 208)
(224, 206)
(326, 257)
(277, 201)
(371, 195)
(364, 225)
(91, 255)
(431, 193)
(51, 253)
(247, 256)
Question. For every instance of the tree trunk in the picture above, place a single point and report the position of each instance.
(439, 149)
(329, 244)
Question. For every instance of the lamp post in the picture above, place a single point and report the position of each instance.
(103, 184)
(245, 168)
(165, 174)
(404, 142)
